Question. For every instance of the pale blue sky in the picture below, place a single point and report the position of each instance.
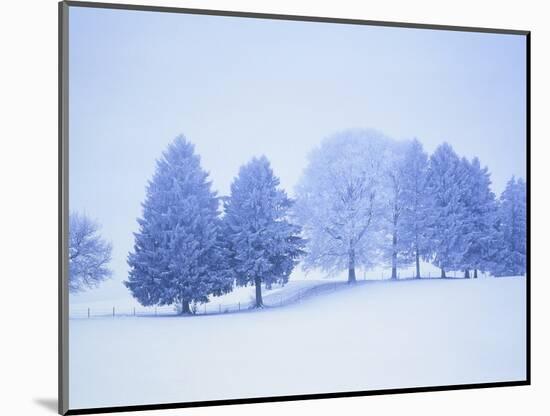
(241, 87)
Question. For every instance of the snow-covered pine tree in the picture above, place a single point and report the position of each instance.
(480, 206)
(177, 258)
(445, 185)
(263, 245)
(510, 250)
(414, 242)
(339, 201)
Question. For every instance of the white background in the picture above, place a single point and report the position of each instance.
(28, 211)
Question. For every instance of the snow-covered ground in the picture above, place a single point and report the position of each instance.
(240, 297)
(112, 293)
(375, 335)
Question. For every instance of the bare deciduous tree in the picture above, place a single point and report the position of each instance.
(338, 201)
(89, 254)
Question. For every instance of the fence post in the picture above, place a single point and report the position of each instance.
(155, 311)
(281, 300)
(220, 308)
(88, 313)
(134, 311)
(113, 311)
(239, 305)
(205, 308)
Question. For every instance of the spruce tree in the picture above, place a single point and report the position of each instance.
(480, 206)
(177, 257)
(263, 245)
(510, 242)
(445, 185)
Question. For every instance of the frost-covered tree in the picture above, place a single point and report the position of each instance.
(263, 245)
(415, 213)
(89, 254)
(510, 251)
(338, 201)
(177, 257)
(476, 229)
(395, 201)
(445, 186)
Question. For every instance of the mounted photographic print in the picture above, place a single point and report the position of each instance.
(264, 207)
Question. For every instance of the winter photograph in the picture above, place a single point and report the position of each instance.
(264, 208)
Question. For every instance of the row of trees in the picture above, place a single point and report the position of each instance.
(186, 251)
(365, 199)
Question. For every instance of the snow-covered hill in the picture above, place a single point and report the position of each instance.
(375, 335)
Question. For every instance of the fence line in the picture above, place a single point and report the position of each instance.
(211, 308)
(270, 300)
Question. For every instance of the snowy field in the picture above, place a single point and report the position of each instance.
(240, 298)
(112, 293)
(375, 335)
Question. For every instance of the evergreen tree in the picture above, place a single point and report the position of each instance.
(445, 185)
(510, 250)
(480, 206)
(263, 245)
(416, 208)
(177, 258)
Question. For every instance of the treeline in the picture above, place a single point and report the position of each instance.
(366, 200)
(363, 200)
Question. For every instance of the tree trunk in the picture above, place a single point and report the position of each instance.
(185, 307)
(394, 257)
(258, 284)
(351, 267)
(467, 274)
(351, 275)
(417, 265)
(475, 273)
(443, 276)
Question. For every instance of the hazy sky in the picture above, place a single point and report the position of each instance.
(239, 88)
